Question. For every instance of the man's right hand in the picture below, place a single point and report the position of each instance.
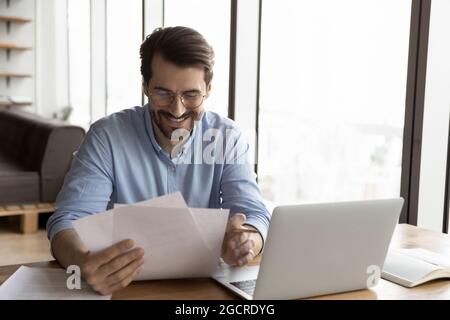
(113, 268)
(106, 271)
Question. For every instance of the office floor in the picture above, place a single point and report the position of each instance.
(17, 248)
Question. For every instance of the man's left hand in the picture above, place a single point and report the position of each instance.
(239, 248)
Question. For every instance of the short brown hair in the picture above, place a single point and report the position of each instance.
(181, 46)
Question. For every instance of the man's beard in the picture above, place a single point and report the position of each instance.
(157, 116)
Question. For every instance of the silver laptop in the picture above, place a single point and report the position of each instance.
(318, 249)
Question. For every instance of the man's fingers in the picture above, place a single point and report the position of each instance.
(120, 285)
(242, 261)
(246, 246)
(243, 249)
(123, 273)
(234, 253)
(237, 239)
(238, 246)
(120, 262)
(113, 251)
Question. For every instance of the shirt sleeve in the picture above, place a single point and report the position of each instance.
(239, 190)
(88, 185)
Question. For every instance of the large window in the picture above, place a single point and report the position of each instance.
(332, 99)
(124, 38)
(104, 39)
(212, 20)
(79, 60)
(435, 119)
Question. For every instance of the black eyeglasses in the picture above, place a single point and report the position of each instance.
(190, 99)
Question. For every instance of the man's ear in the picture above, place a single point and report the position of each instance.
(208, 90)
(145, 89)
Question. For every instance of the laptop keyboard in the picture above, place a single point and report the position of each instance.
(248, 286)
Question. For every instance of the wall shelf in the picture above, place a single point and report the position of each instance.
(9, 75)
(14, 19)
(14, 75)
(12, 46)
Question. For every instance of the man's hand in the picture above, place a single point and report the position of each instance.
(113, 268)
(239, 248)
(105, 271)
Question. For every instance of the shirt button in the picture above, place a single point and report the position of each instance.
(172, 168)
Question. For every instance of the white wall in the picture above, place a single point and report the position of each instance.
(436, 119)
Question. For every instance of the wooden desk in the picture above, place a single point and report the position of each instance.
(405, 236)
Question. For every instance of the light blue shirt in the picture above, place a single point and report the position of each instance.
(120, 161)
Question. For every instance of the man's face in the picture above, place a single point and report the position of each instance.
(169, 80)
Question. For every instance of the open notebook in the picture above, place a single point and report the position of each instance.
(412, 267)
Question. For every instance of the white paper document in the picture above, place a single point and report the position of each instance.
(179, 242)
(96, 230)
(44, 284)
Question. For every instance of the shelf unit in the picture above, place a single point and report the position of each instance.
(11, 47)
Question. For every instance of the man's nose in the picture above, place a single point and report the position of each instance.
(177, 108)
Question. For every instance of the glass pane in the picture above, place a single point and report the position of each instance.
(79, 60)
(333, 84)
(433, 158)
(124, 38)
(212, 20)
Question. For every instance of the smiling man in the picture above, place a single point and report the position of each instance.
(171, 144)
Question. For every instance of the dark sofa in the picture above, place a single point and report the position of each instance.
(35, 154)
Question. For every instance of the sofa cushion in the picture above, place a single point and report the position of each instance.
(17, 186)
